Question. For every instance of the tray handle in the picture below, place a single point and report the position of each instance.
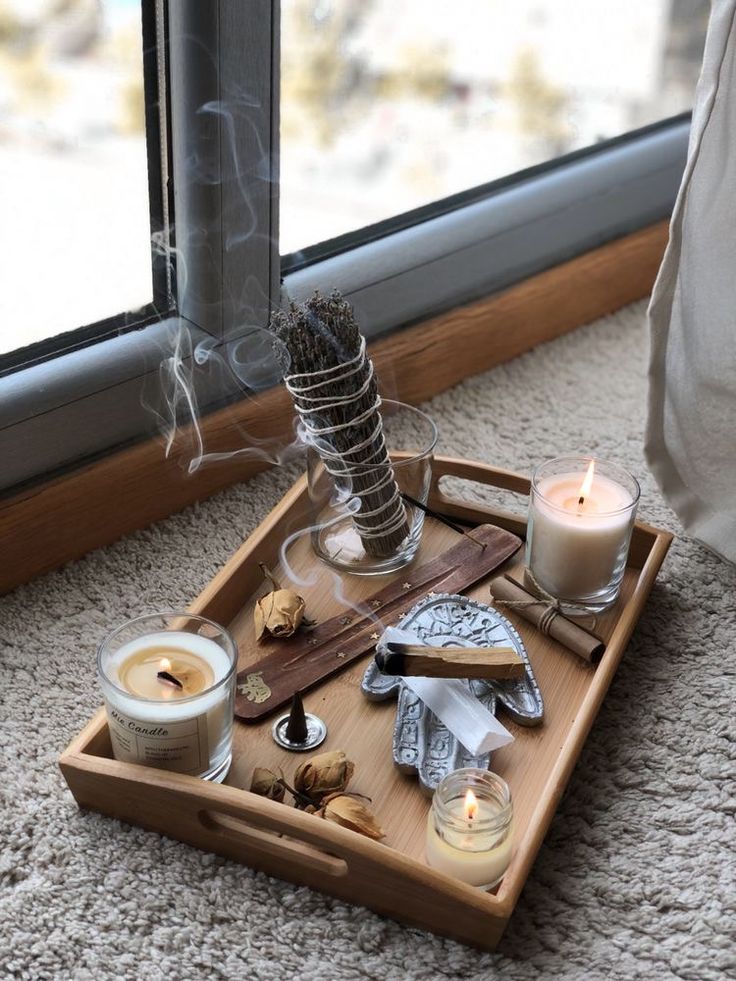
(481, 473)
(302, 853)
(281, 840)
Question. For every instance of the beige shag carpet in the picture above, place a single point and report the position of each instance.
(636, 877)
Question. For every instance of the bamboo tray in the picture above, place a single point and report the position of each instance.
(390, 877)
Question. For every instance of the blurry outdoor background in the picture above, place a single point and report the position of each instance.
(74, 219)
(385, 106)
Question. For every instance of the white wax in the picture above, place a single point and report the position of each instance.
(178, 734)
(575, 549)
(175, 709)
(484, 865)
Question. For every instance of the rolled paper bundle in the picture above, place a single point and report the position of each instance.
(541, 612)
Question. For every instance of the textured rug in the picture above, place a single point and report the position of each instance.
(636, 877)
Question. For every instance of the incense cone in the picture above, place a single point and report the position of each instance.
(296, 728)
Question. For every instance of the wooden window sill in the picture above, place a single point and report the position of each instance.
(52, 523)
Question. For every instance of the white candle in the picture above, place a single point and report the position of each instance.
(580, 526)
(470, 837)
(169, 700)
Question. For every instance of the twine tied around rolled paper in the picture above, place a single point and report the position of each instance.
(553, 607)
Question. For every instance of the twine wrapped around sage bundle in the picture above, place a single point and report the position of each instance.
(332, 382)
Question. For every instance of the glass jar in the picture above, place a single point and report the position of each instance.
(579, 530)
(169, 685)
(337, 506)
(470, 827)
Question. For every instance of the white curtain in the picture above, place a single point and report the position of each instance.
(691, 432)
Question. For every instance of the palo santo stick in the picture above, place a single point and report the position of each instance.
(488, 663)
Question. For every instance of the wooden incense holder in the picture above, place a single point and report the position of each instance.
(416, 660)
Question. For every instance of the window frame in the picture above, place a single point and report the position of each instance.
(61, 412)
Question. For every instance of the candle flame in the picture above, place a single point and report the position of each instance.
(164, 664)
(471, 805)
(587, 483)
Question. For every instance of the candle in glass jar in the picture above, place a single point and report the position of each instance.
(580, 527)
(169, 699)
(470, 828)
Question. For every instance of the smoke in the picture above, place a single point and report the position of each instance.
(237, 361)
(350, 505)
(241, 363)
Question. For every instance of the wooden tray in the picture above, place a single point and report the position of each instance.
(390, 877)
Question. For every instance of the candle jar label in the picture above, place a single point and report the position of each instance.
(181, 746)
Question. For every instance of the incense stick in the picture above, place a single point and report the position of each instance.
(441, 517)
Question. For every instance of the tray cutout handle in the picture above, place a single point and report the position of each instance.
(486, 476)
(277, 846)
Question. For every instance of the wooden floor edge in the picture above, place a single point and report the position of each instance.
(53, 523)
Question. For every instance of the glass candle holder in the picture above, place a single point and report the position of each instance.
(169, 685)
(470, 827)
(581, 515)
(411, 437)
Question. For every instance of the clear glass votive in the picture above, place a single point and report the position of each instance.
(579, 530)
(470, 827)
(169, 686)
(411, 437)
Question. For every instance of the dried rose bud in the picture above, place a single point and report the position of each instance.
(351, 813)
(278, 613)
(267, 784)
(327, 773)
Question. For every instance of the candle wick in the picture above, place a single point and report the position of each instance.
(169, 679)
(581, 501)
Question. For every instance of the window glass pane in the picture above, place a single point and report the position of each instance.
(388, 106)
(74, 225)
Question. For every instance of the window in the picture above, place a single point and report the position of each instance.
(388, 107)
(427, 159)
(77, 210)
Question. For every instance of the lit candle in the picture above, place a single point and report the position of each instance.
(581, 516)
(470, 827)
(169, 694)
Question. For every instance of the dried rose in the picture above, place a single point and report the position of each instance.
(327, 773)
(351, 813)
(267, 784)
(278, 613)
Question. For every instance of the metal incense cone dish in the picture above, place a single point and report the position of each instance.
(298, 730)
